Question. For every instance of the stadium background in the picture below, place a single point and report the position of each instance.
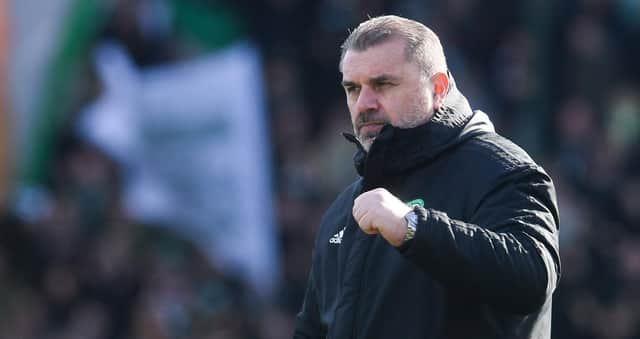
(79, 259)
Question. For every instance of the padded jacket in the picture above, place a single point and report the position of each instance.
(484, 261)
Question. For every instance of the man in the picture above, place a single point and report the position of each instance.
(451, 230)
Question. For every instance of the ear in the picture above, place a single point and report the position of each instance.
(440, 88)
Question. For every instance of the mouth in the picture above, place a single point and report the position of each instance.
(370, 129)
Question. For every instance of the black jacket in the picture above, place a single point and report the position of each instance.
(484, 261)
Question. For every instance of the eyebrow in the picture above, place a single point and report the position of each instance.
(377, 79)
(383, 78)
(348, 83)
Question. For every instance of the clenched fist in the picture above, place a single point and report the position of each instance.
(378, 211)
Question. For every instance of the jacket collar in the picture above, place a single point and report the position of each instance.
(396, 150)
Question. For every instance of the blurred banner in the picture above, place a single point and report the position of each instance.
(53, 44)
(190, 136)
(48, 60)
(192, 139)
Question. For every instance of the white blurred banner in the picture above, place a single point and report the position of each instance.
(192, 140)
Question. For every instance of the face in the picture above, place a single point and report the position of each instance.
(382, 87)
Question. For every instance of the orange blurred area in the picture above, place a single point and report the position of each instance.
(4, 104)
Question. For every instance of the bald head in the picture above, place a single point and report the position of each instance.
(422, 44)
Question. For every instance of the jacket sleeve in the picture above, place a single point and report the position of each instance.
(307, 324)
(506, 254)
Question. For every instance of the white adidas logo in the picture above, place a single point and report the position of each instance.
(337, 238)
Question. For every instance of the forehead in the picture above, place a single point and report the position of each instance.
(386, 58)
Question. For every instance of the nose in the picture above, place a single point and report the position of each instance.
(367, 100)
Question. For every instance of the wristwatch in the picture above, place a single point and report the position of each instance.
(412, 223)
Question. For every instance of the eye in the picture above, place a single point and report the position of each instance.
(383, 84)
(352, 89)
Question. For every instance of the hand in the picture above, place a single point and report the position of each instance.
(380, 212)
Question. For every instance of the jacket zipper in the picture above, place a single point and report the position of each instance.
(356, 307)
(361, 290)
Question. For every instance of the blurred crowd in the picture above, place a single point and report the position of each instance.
(560, 78)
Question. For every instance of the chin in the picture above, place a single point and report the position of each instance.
(366, 144)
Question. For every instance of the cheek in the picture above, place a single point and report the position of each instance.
(420, 101)
(395, 107)
(425, 101)
(352, 113)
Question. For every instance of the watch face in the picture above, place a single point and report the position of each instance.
(412, 218)
(412, 222)
(411, 227)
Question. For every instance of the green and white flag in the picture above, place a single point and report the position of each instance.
(190, 135)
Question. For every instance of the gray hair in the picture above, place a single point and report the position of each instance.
(422, 44)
